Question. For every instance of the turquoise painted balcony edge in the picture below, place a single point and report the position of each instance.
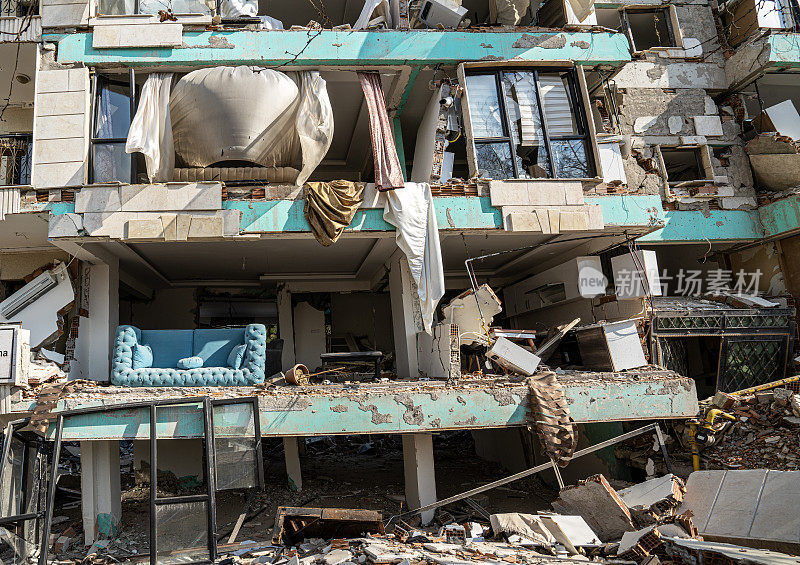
(354, 48)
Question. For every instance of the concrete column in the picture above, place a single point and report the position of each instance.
(406, 316)
(96, 333)
(292, 455)
(286, 327)
(420, 474)
(101, 495)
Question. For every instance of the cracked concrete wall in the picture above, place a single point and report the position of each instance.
(665, 98)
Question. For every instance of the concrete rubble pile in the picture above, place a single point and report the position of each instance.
(766, 431)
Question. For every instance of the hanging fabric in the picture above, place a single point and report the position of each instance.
(411, 211)
(370, 6)
(151, 128)
(388, 172)
(330, 207)
(314, 123)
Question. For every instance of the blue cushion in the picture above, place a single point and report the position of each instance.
(190, 363)
(142, 356)
(236, 356)
(168, 346)
(215, 345)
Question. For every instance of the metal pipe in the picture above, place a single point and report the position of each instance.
(51, 493)
(526, 473)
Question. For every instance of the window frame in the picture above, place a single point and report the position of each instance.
(703, 155)
(93, 139)
(137, 11)
(579, 112)
(26, 167)
(671, 17)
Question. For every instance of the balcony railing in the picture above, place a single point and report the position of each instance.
(20, 21)
(15, 159)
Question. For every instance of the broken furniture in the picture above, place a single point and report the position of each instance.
(721, 347)
(293, 525)
(373, 357)
(168, 347)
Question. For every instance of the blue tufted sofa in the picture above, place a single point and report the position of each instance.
(168, 346)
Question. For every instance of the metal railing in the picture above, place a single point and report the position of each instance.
(16, 151)
(20, 21)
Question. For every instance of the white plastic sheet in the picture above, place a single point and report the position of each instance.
(239, 8)
(151, 129)
(366, 13)
(410, 210)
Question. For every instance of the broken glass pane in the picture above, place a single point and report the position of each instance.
(111, 162)
(519, 90)
(559, 113)
(11, 484)
(113, 111)
(116, 7)
(569, 156)
(235, 446)
(181, 532)
(494, 160)
(484, 107)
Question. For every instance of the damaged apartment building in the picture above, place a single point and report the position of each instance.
(230, 229)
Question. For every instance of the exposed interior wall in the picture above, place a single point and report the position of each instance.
(16, 266)
(184, 457)
(790, 250)
(17, 120)
(170, 309)
(765, 258)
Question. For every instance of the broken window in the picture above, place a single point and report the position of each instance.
(22, 473)
(651, 27)
(16, 151)
(183, 529)
(528, 124)
(113, 109)
(742, 18)
(686, 164)
(123, 7)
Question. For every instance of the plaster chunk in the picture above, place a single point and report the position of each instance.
(644, 123)
(692, 47)
(675, 124)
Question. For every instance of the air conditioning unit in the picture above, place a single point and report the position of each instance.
(28, 294)
(15, 355)
(435, 12)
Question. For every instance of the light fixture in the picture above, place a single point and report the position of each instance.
(23, 79)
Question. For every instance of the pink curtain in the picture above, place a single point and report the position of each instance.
(388, 173)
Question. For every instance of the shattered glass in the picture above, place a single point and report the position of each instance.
(235, 446)
(494, 160)
(519, 90)
(569, 156)
(11, 484)
(484, 107)
(182, 532)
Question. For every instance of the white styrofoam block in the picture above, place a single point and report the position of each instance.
(624, 345)
(513, 357)
(591, 280)
(633, 277)
(785, 118)
(710, 126)
(611, 162)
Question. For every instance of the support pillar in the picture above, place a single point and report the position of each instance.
(406, 316)
(286, 327)
(101, 495)
(292, 455)
(96, 332)
(420, 474)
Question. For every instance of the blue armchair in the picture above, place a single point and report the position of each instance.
(168, 346)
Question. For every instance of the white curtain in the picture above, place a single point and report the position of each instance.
(366, 13)
(411, 211)
(314, 122)
(151, 128)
